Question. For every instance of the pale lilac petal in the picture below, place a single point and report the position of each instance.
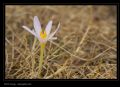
(26, 28)
(37, 25)
(40, 39)
(37, 36)
(34, 33)
(48, 27)
(52, 34)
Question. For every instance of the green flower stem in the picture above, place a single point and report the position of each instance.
(42, 47)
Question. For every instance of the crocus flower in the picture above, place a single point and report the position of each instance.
(42, 35)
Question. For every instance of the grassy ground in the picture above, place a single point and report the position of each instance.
(85, 48)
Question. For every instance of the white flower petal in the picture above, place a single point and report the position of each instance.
(40, 39)
(52, 34)
(34, 33)
(48, 27)
(31, 31)
(37, 25)
(37, 36)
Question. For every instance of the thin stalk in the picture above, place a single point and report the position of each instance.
(42, 47)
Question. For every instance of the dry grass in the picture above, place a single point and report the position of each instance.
(85, 48)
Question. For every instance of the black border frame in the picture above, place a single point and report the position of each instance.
(68, 81)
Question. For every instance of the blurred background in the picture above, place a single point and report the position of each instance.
(85, 48)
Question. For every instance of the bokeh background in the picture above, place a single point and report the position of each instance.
(85, 48)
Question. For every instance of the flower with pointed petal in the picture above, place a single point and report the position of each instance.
(42, 35)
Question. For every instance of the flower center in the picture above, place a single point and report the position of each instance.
(43, 34)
